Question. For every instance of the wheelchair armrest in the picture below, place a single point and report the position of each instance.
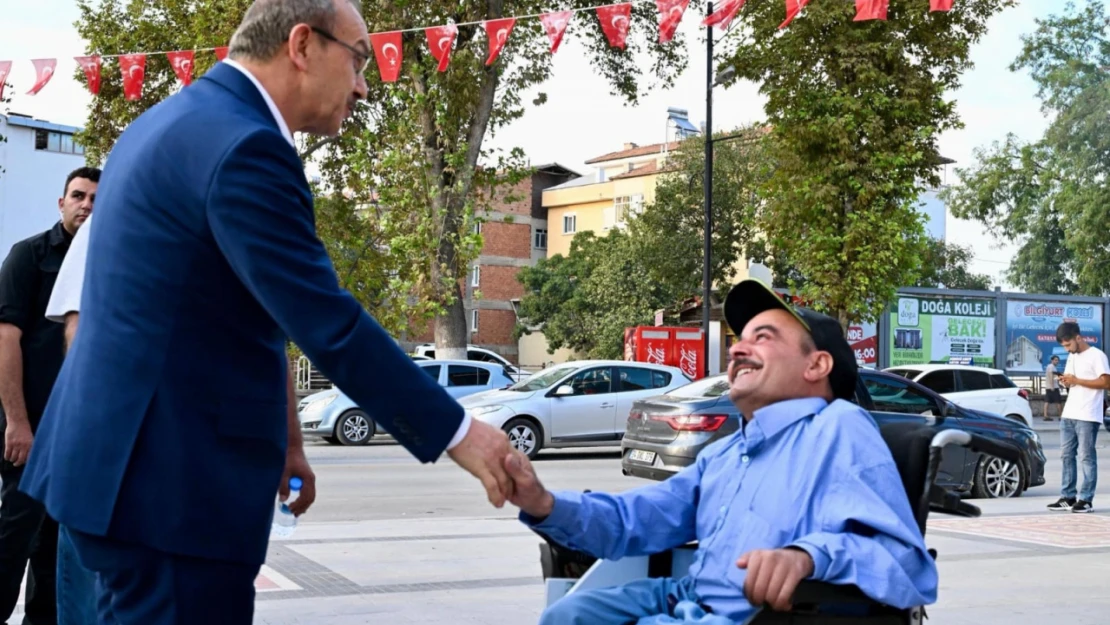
(812, 593)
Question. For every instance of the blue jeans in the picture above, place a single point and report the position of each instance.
(1079, 435)
(76, 585)
(651, 601)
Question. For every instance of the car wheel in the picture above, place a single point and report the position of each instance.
(524, 436)
(354, 427)
(997, 479)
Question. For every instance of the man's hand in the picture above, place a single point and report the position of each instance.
(296, 465)
(773, 576)
(481, 452)
(17, 442)
(528, 494)
(1068, 380)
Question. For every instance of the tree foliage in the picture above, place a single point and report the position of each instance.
(418, 149)
(947, 265)
(855, 110)
(1052, 195)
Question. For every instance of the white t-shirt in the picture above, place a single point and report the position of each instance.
(1050, 377)
(1085, 404)
(66, 296)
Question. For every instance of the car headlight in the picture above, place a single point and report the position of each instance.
(484, 410)
(317, 405)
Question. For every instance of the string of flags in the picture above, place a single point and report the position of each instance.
(615, 20)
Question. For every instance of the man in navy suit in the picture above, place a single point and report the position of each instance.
(171, 426)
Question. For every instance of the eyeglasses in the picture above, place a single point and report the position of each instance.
(362, 59)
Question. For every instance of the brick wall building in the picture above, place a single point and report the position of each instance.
(514, 235)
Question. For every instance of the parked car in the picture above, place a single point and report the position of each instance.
(665, 433)
(332, 415)
(978, 388)
(576, 404)
(475, 353)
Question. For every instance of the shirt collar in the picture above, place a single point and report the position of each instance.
(59, 235)
(770, 420)
(269, 101)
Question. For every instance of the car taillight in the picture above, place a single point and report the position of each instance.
(693, 423)
(1024, 394)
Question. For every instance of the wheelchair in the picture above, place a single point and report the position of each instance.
(917, 451)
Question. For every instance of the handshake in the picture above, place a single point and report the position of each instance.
(506, 473)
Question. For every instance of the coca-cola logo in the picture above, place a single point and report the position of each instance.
(688, 361)
(656, 354)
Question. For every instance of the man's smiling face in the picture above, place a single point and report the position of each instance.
(774, 360)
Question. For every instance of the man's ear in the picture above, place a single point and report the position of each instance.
(820, 366)
(297, 45)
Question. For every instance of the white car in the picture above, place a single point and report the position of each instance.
(576, 404)
(475, 353)
(978, 388)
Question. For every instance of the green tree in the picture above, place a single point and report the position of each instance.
(947, 265)
(585, 300)
(1052, 195)
(418, 149)
(855, 111)
(670, 231)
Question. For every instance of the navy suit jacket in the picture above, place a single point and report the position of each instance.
(167, 424)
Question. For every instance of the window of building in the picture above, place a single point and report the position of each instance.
(570, 224)
(476, 275)
(539, 239)
(474, 320)
(626, 207)
(50, 141)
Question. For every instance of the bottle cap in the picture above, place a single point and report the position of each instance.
(295, 483)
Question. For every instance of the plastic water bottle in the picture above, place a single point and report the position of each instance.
(285, 522)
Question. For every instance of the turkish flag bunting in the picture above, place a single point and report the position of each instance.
(498, 33)
(44, 71)
(871, 9)
(5, 69)
(941, 5)
(615, 20)
(440, 40)
(670, 14)
(133, 68)
(387, 50)
(221, 53)
(182, 63)
(722, 17)
(91, 66)
(793, 8)
(555, 25)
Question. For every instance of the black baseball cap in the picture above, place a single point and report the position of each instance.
(751, 297)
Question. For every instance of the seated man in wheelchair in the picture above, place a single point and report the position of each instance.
(806, 489)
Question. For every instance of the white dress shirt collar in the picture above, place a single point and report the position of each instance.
(269, 101)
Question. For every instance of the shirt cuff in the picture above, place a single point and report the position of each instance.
(821, 560)
(460, 434)
(563, 512)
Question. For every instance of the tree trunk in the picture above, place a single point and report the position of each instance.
(841, 316)
(452, 331)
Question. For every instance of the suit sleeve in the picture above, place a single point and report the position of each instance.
(261, 216)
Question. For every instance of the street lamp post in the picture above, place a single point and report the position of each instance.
(707, 274)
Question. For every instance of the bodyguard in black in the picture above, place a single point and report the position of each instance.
(31, 352)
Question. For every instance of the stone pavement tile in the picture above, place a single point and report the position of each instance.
(407, 527)
(949, 546)
(376, 563)
(1018, 585)
(1061, 530)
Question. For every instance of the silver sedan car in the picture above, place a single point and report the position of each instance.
(332, 415)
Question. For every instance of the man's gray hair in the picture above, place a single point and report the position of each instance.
(267, 23)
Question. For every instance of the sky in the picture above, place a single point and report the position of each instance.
(582, 120)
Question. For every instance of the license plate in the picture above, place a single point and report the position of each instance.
(640, 455)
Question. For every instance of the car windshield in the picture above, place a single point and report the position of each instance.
(543, 379)
(905, 373)
(709, 387)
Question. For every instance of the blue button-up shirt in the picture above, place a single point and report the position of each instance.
(802, 473)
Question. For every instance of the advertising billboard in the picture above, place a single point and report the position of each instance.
(864, 341)
(1031, 331)
(930, 329)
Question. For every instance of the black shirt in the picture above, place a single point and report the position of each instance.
(26, 281)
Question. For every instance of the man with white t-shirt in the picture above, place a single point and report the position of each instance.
(1087, 377)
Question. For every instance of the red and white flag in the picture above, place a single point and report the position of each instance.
(221, 53)
(5, 71)
(555, 25)
(91, 66)
(498, 31)
(722, 17)
(871, 10)
(941, 5)
(182, 63)
(44, 71)
(793, 8)
(387, 51)
(440, 41)
(670, 14)
(615, 22)
(133, 68)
